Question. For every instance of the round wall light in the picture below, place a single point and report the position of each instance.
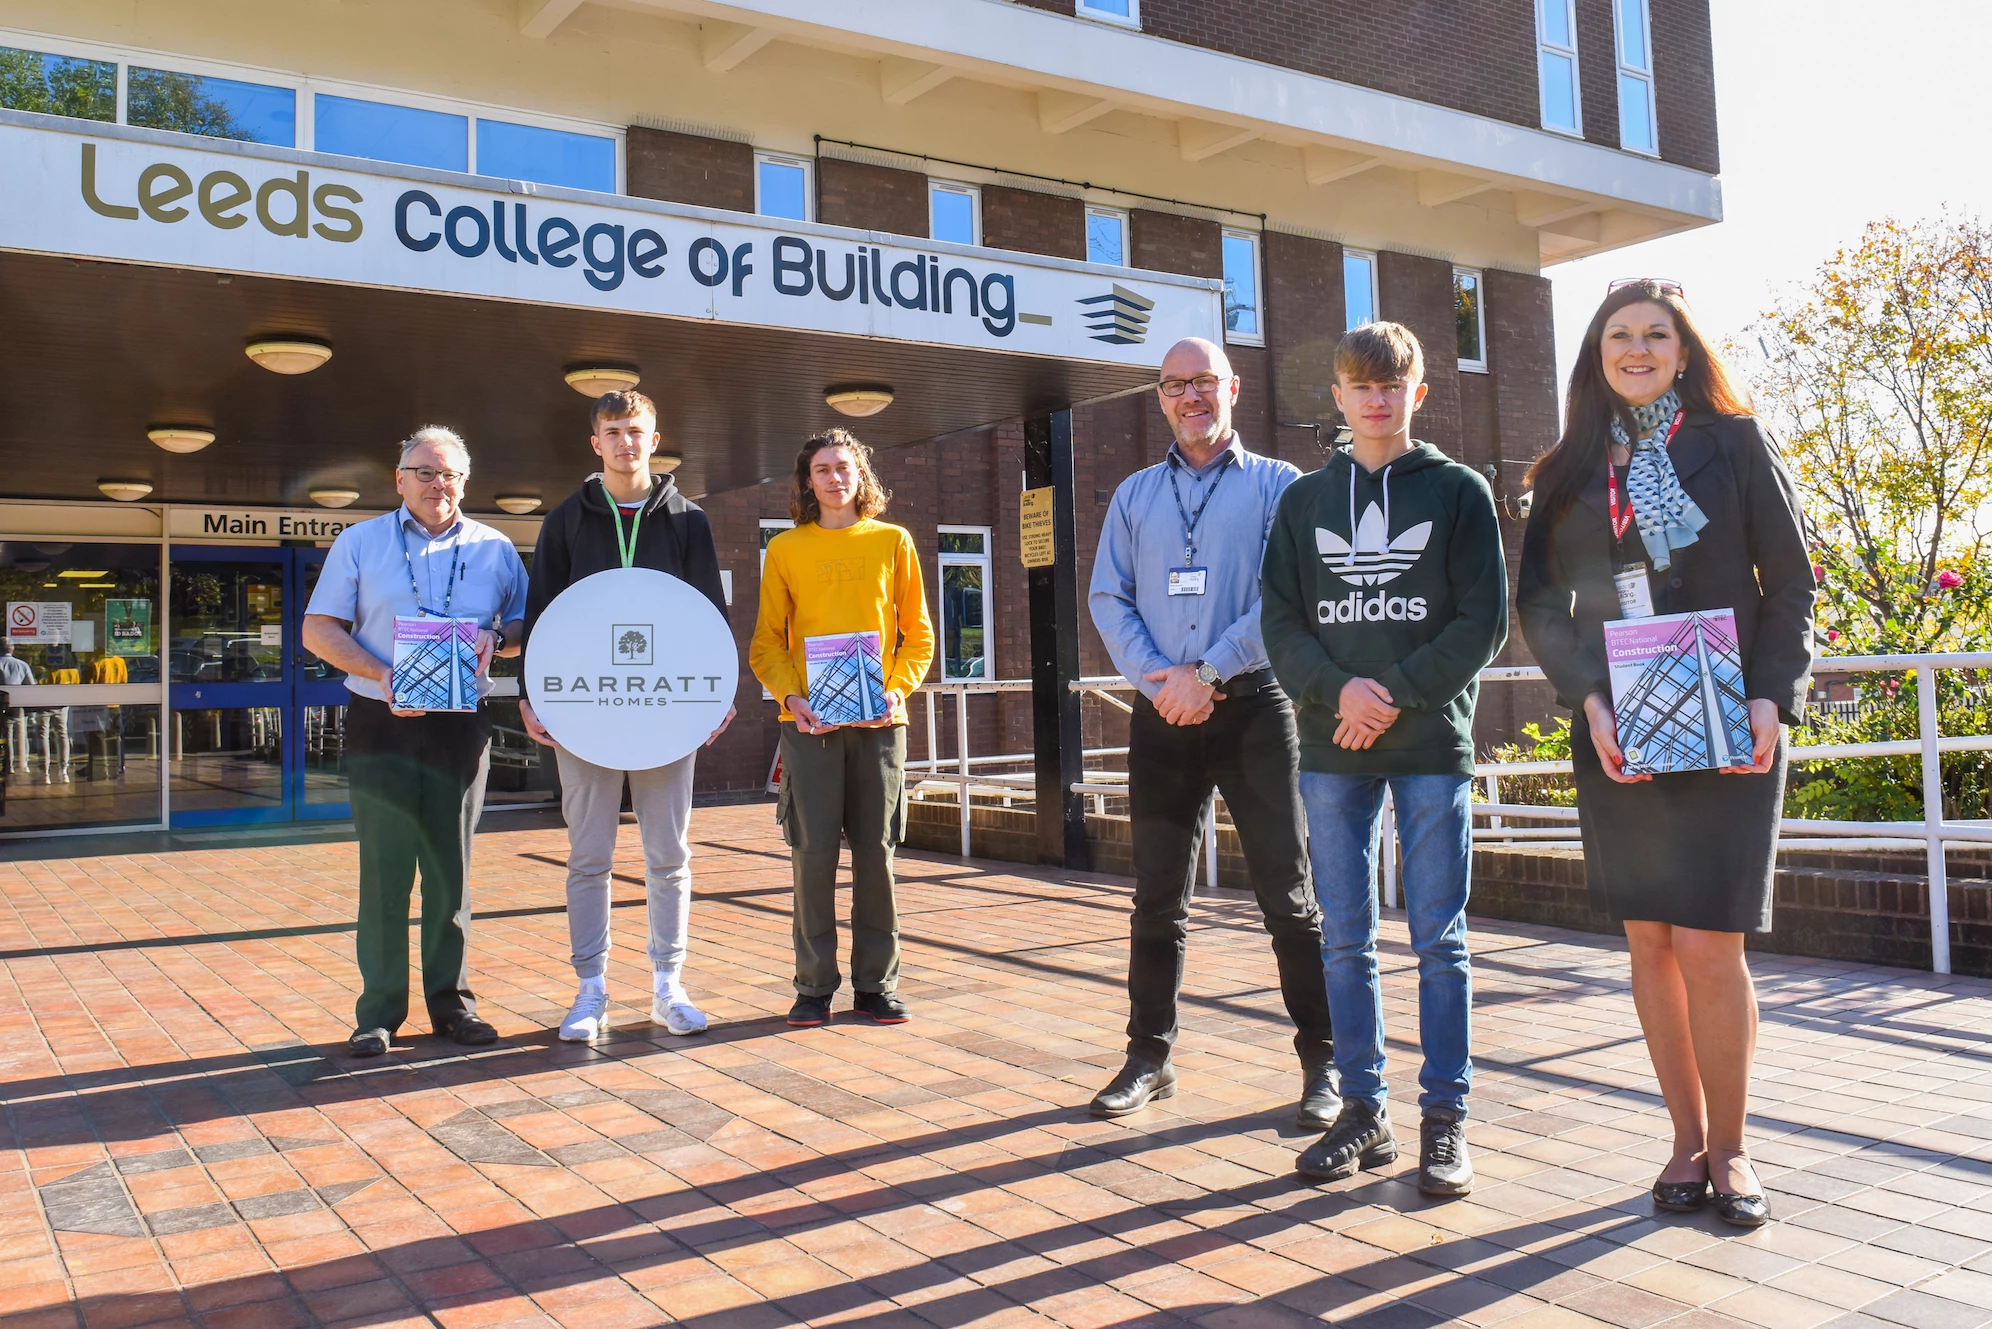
(663, 463)
(288, 355)
(517, 504)
(335, 498)
(180, 438)
(594, 380)
(124, 491)
(858, 400)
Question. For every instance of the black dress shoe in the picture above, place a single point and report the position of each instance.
(1742, 1210)
(1138, 1084)
(1680, 1197)
(468, 1031)
(1320, 1101)
(1360, 1138)
(367, 1042)
(1444, 1166)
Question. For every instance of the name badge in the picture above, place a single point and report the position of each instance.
(1635, 592)
(1187, 581)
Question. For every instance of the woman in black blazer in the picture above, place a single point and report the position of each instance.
(1661, 466)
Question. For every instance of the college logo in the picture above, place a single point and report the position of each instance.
(631, 643)
(1372, 558)
(1119, 317)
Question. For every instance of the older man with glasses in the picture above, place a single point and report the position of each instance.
(417, 777)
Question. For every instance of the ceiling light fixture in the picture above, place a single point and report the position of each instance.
(124, 491)
(81, 575)
(335, 498)
(663, 463)
(858, 400)
(517, 504)
(594, 380)
(180, 438)
(288, 355)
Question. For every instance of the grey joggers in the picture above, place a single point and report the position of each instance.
(591, 801)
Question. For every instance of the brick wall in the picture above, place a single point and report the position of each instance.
(1597, 71)
(1684, 83)
(1521, 352)
(1033, 223)
(1418, 292)
(1170, 242)
(1305, 313)
(872, 198)
(687, 168)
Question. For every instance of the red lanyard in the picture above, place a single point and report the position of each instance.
(1622, 520)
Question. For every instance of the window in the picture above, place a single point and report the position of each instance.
(1106, 236)
(216, 107)
(954, 212)
(1556, 65)
(1241, 288)
(964, 572)
(1635, 76)
(1127, 12)
(58, 85)
(383, 132)
(1358, 288)
(546, 156)
(781, 187)
(1470, 320)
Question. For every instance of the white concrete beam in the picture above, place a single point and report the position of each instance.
(901, 80)
(1062, 111)
(1533, 209)
(723, 46)
(1436, 188)
(1199, 139)
(1585, 228)
(1324, 166)
(538, 18)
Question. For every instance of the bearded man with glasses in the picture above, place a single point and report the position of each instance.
(1175, 596)
(417, 777)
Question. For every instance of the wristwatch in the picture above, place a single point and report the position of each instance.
(1207, 674)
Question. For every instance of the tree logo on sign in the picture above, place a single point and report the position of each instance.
(632, 644)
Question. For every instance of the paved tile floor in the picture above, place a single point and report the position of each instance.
(185, 1143)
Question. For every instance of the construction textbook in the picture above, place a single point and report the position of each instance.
(1677, 690)
(846, 677)
(435, 664)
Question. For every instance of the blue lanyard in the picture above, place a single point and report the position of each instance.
(1190, 520)
(456, 552)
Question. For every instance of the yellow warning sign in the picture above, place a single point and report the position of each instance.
(1035, 537)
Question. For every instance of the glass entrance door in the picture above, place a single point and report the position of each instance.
(258, 723)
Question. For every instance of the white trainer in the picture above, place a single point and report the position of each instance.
(677, 1015)
(590, 1017)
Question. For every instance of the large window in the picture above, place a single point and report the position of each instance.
(954, 212)
(1556, 65)
(964, 569)
(1112, 11)
(1470, 319)
(383, 132)
(1106, 236)
(216, 107)
(546, 156)
(1637, 129)
(1358, 288)
(58, 84)
(1243, 319)
(781, 187)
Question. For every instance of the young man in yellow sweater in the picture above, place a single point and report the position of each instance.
(842, 572)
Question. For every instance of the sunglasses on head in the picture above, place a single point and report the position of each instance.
(1660, 284)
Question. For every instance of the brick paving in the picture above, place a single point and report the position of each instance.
(185, 1142)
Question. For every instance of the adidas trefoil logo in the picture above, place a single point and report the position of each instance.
(1373, 558)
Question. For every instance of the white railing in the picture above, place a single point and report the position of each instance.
(1930, 834)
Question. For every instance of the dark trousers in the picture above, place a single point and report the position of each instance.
(417, 790)
(846, 785)
(1249, 750)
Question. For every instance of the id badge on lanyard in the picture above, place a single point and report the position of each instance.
(1635, 591)
(1635, 588)
(1187, 581)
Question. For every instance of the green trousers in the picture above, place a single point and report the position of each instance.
(848, 785)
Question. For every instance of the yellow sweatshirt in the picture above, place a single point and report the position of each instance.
(863, 578)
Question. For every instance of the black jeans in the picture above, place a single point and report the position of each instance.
(1249, 750)
(417, 786)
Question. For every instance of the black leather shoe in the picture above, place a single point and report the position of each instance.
(469, 1031)
(1138, 1084)
(1742, 1210)
(882, 1007)
(808, 1012)
(1360, 1138)
(1680, 1197)
(1320, 1101)
(367, 1042)
(1444, 1167)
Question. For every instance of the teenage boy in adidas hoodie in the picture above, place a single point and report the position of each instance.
(1384, 594)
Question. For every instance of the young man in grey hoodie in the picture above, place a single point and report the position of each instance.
(1384, 594)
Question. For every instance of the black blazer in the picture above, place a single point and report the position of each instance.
(1751, 557)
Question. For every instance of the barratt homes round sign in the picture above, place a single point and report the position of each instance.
(631, 669)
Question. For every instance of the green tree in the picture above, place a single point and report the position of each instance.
(58, 85)
(159, 99)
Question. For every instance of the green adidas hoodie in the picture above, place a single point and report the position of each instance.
(1395, 575)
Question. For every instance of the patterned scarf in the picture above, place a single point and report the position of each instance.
(1668, 518)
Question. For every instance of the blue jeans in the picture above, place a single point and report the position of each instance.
(1344, 817)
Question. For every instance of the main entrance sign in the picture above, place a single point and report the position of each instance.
(631, 669)
(150, 197)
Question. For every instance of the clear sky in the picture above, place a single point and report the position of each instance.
(1832, 113)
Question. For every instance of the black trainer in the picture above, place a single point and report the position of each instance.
(1444, 1167)
(1360, 1138)
(808, 1012)
(882, 1007)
